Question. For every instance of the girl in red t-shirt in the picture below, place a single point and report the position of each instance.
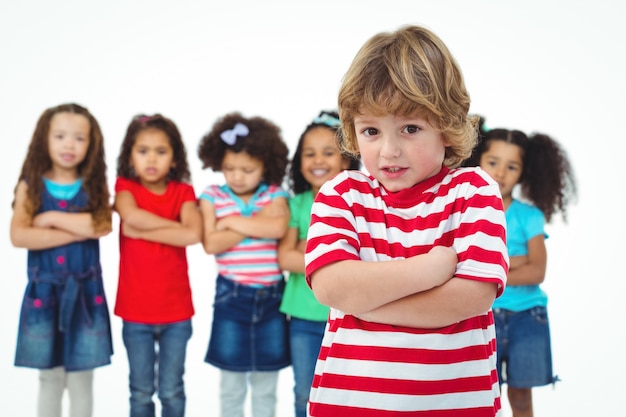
(159, 219)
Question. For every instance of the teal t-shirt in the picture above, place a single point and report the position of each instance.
(298, 298)
(63, 191)
(523, 222)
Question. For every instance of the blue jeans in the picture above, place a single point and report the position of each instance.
(305, 337)
(156, 359)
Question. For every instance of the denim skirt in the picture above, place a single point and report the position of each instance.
(64, 321)
(523, 346)
(249, 333)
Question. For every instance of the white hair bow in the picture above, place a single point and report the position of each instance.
(229, 136)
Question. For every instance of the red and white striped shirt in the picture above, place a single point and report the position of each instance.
(370, 369)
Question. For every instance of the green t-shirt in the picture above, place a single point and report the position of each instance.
(298, 299)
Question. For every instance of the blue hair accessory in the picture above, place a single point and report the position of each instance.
(229, 136)
(328, 120)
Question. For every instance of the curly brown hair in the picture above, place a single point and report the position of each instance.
(263, 142)
(92, 169)
(409, 72)
(180, 169)
(547, 179)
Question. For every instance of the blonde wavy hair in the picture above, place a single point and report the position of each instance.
(409, 72)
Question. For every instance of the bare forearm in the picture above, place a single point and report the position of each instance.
(34, 238)
(258, 226)
(144, 220)
(80, 224)
(454, 301)
(220, 241)
(291, 260)
(527, 274)
(358, 286)
(175, 236)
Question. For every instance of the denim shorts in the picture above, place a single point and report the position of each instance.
(249, 333)
(524, 352)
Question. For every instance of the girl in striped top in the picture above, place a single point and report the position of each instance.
(410, 255)
(243, 220)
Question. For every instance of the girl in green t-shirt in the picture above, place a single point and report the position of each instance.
(317, 159)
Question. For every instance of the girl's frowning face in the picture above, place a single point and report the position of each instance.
(152, 157)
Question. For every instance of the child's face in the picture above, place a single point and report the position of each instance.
(68, 141)
(320, 159)
(243, 173)
(503, 162)
(152, 157)
(399, 151)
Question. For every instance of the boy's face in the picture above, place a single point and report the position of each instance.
(399, 151)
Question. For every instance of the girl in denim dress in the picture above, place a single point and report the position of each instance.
(543, 172)
(243, 221)
(61, 209)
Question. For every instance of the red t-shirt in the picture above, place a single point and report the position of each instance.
(153, 283)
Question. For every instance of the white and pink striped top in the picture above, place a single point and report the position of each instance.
(253, 261)
(369, 369)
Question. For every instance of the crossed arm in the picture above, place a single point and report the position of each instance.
(141, 224)
(291, 252)
(420, 291)
(529, 269)
(48, 229)
(222, 234)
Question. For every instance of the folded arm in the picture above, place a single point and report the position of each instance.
(270, 223)
(138, 223)
(355, 286)
(222, 234)
(529, 269)
(457, 299)
(46, 231)
(291, 252)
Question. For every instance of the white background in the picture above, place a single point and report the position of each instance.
(556, 67)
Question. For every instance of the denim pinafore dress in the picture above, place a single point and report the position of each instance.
(64, 319)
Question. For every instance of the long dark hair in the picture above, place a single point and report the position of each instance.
(92, 169)
(180, 169)
(547, 178)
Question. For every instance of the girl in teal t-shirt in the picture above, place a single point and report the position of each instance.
(541, 168)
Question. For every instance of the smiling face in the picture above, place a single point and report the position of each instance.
(320, 159)
(68, 142)
(503, 162)
(399, 151)
(152, 157)
(242, 172)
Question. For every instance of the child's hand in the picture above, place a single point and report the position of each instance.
(130, 231)
(517, 261)
(43, 220)
(273, 210)
(444, 260)
(222, 224)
